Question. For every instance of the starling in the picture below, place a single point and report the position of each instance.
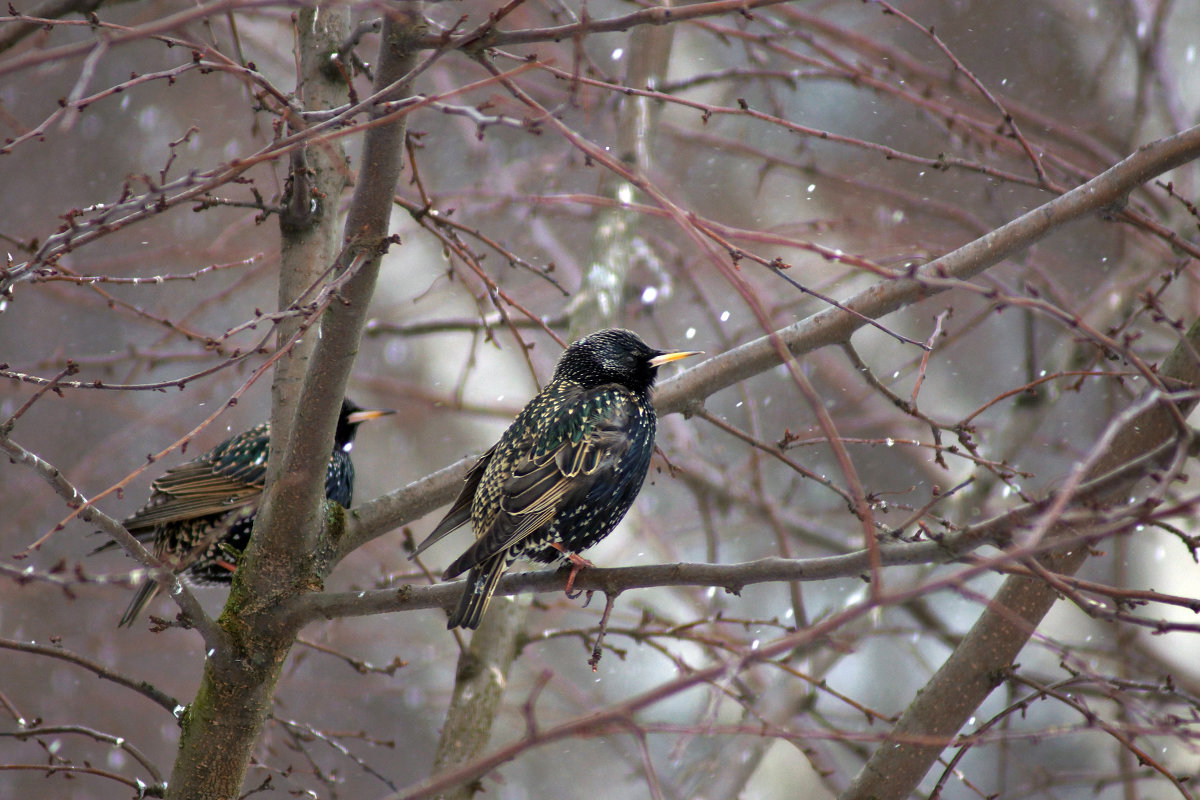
(200, 514)
(565, 472)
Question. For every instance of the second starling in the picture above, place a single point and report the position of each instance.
(201, 513)
(565, 472)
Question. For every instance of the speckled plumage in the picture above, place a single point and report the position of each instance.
(566, 470)
(201, 513)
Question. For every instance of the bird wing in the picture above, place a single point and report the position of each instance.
(541, 486)
(557, 468)
(228, 476)
(243, 459)
(188, 491)
(460, 512)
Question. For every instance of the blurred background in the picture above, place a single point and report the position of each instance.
(799, 133)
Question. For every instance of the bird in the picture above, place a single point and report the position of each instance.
(200, 514)
(564, 473)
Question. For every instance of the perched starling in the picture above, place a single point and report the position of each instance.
(565, 472)
(200, 514)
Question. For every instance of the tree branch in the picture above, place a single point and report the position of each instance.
(977, 665)
(999, 531)
(688, 390)
(99, 670)
(220, 729)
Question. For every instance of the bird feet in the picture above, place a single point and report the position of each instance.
(578, 562)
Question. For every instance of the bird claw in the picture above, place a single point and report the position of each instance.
(577, 563)
(571, 580)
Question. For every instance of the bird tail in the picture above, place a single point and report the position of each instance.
(481, 583)
(109, 545)
(143, 535)
(138, 604)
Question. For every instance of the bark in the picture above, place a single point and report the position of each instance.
(221, 727)
(483, 667)
(688, 390)
(309, 221)
(478, 689)
(983, 658)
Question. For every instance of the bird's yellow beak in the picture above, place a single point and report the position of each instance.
(674, 355)
(368, 413)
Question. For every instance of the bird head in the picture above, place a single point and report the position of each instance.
(351, 416)
(617, 356)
